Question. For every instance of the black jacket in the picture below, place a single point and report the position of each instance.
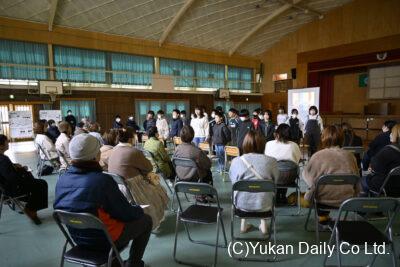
(383, 162)
(295, 131)
(186, 121)
(244, 127)
(233, 127)
(268, 129)
(132, 124)
(149, 123)
(117, 125)
(71, 120)
(53, 133)
(176, 127)
(380, 141)
(221, 134)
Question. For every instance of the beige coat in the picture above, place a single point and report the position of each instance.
(105, 152)
(330, 161)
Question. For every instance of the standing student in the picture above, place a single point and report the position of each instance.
(221, 110)
(296, 126)
(117, 123)
(185, 119)
(199, 123)
(71, 120)
(176, 124)
(211, 124)
(162, 126)
(132, 124)
(267, 126)
(221, 137)
(256, 121)
(245, 126)
(313, 130)
(233, 125)
(282, 117)
(150, 121)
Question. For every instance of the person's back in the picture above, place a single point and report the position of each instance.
(47, 145)
(161, 157)
(128, 161)
(283, 150)
(221, 134)
(53, 133)
(243, 128)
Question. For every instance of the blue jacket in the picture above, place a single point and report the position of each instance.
(88, 190)
(176, 127)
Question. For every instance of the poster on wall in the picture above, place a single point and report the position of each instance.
(302, 100)
(20, 124)
(50, 115)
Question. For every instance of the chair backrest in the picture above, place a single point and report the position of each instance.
(390, 181)
(150, 157)
(336, 179)
(204, 146)
(186, 163)
(254, 186)
(192, 188)
(122, 183)
(62, 157)
(232, 151)
(289, 171)
(355, 149)
(42, 151)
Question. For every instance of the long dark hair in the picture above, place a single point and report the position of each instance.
(201, 112)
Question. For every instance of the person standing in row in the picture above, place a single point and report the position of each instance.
(199, 123)
(220, 138)
(245, 126)
(267, 126)
(233, 125)
(185, 119)
(71, 120)
(176, 124)
(162, 126)
(296, 126)
(117, 123)
(150, 121)
(282, 117)
(313, 130)
(256, 119)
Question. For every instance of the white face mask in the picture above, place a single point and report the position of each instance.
(117, 119)
(69, 113)
(280, 111)
(182, 116)
(212, 115)
(242, 118)
(294, 116)
(260, 117)
(312, 112)
(159, 116)
(130, 118)
(174, 116)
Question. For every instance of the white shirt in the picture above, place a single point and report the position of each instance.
(283, 151)
(62, 145)
(281, 118)
(200, 127)
(162, 128)
(47, 145)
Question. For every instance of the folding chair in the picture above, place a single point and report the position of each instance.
(289, 171)
(358, 152)
(122, 186)
(150, 156)
(253, 186)
(63, 159)
(82, 255)
(361, 232)
(42, 161)
(331, 180)
(198, 214)
(230, 151)
(206, 147)
(382, 191)
(185, 163)
(9, 200)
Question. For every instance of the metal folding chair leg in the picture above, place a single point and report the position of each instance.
(205, 243)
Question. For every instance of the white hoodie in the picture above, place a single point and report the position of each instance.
(200, 127)
(162, 128)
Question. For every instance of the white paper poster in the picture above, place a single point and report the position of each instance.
(302, 100)
(20, 124)
(50, 115)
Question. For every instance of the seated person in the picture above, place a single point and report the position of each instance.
(94, 129)
(188, 150)
(52, 131)
(45, 143)
(380, 141)
(85, 188)
(283, 149)
(266, 168)
(387, 159)
(131, 164)
(330, 160)
(110, 141)
(16, 181)
(161, 157)
(80, 128)
(351, 139)
(62, 143)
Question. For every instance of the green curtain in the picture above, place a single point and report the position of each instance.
(210, 75)
(93, 61)
(79, 108)
(142, 67)
(184, 71)
(240, 78)
(25, 53)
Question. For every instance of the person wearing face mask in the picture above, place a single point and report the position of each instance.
(295, 125)
(200, 125)
(233, 125)
(313, 130)
(71, 120)
(282, 117)
(176, 124)
(117, 123)
(256, 119)
(267, 126)
(379, 142)
(185, 119)
(150, 121)
(162, 126)
(211, 124)
(221, 110)
(132, 124)
(245, 126)
(382, 163)
(220, 138)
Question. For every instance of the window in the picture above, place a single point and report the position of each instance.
(136, 70)
(79, 65)
(240, 78)
(246, 105)
(184, 71)
(210, 75)
(32, 57)
(143, 106)
(226, 105)
(79, 108)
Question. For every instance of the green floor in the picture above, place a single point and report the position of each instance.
(25, 244)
